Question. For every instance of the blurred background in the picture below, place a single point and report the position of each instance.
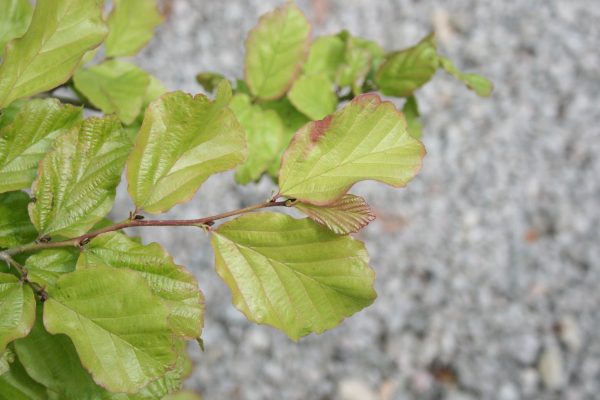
(488, 263)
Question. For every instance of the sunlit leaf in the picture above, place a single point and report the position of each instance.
(25, 140)
(183, 140)
(60, 33)
(412, 115)
(366, 140)
(118, 326)
(15, 227)
(264, 134)
(292, 274)
(171, 282)
(407, 70)
(14, 20)
(479, 84)
(76, 182)
(114, 87)
(314, 96)
(17, 309)
(275, 50)
(325, 56)
(131, 25)
(46, 266)
(349, 214)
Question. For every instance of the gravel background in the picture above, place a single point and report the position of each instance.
(488, 263)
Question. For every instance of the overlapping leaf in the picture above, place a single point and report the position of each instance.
(17, 385)
(183, 140)
(171, 282)
(314, 96)
(292, 274)
(479, 84)
(114, 87)
(348, 214)
(209, 80)
(275, 50)
(17, 309)
(131, 25)
(46, 266)
(25, 140)
(264, 135)
(361, 56)
(15, 227)
(407, 70)
(6, 358)
(118, 326)
(412, 115)
(365, 140)
(75, 187)
(325, 56)
(60, 33)
(14, 19)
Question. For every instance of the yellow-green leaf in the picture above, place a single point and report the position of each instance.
(314, 96)
(264, 135)
(347, 215)
(169, 281)
(114, 87)
(407, 70)
(27, 138)
(76, 182)
(209, 80)
(118, 326)
(275, 50)
(15, 227)
(60, 33)
(325, 56)
(17, 309)
(183, 140)
(292, 274)
(479, 84)
(46, 266)
(366, 140)
(14, 19)
(131, 25)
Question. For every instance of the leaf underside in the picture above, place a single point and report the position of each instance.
(347, 215)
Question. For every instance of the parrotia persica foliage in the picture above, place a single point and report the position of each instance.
(87, 312)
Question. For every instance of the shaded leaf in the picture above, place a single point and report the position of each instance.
(479, 84)
(183, 140)
(314, 96)
(264, 135)
(407, 70)
(15, 227)
(325, 56)
(292, 274)
(171, 282)
(46, 266)
(6, 358)
(17, 309)
(131, 25)
(209, 80)
(14, 20)
(114, 87)
(412, 115)
(8, 114)
(366, 140)
(348, 214)
(361, 56)
(25, 141)
(17, 385)
(60, 33)
(118, 326)
(76, 182)
(275, 50)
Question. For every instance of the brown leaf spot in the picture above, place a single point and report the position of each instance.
(319, 128)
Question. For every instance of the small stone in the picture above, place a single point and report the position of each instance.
(550, 367)
(570, 334)
(352, 389)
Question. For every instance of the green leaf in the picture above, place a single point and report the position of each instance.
(365, 140)
(155, 89)
(292, 274)
(76, 182)
(6, 358)
(8, 114)
(15, 227)
(114, 87)
(479, 84)
(28, 137)
(314, 96)
(46, 266)
(183, 140)
(223, 94)
(52, 361)
(118, 326)
(349, 214)
(275, 50)
(184, 395)
(169, 281)
(14, 20)
(17, 385)
(361, 56)
(407, 70)
(411, 113)
(209, 80)
(264, 135)
(325, 56)
(131, 25)
(60, 33)
(17, 309)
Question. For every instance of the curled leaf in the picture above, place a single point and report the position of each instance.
(347, 215)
